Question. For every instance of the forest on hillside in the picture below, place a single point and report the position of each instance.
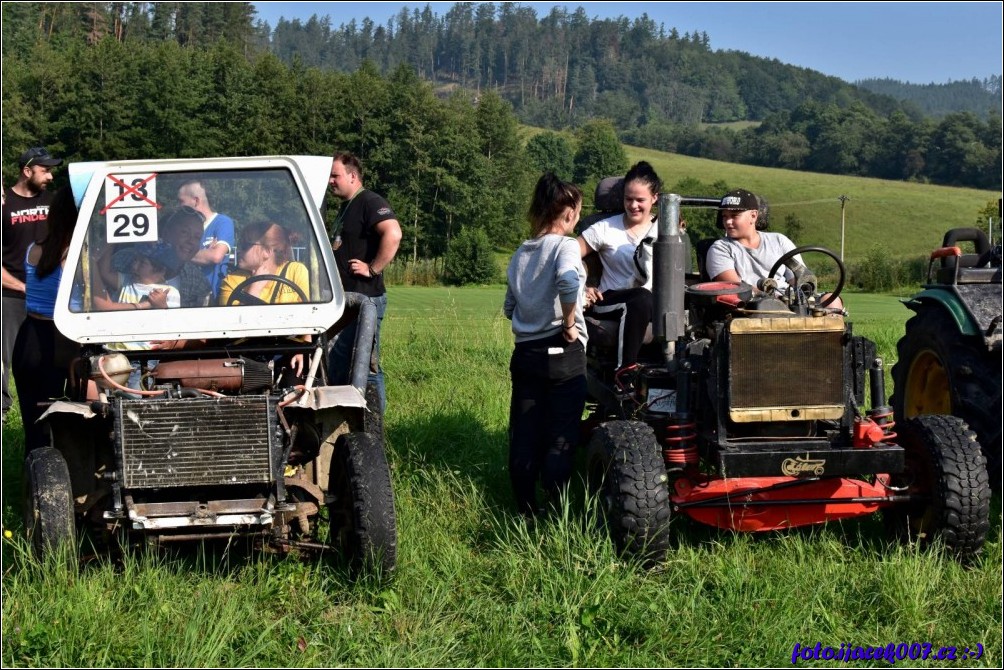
(563, 66)
(90, 78)
(978, 96)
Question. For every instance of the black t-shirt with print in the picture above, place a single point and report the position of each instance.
(360, 239)
(23, 223)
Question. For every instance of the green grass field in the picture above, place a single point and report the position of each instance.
(477, 586)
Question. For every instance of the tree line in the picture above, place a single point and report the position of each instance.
(659, 88)
(448, 164)
(959, 149)
(978, 96)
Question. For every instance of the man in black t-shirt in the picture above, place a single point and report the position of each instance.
(25, 207)
(367, 236)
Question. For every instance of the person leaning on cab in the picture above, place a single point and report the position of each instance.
(748, 251)
(263, 251)
(42, 355)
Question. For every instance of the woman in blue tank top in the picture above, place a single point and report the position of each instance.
(42, 355)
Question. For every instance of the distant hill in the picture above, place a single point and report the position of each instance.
(563, 67)
(658, 87)
(976, 96)
(661, 88)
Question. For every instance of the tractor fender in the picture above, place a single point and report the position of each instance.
(81, 409)
(952, 304)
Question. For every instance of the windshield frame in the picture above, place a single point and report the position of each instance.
(309, 175)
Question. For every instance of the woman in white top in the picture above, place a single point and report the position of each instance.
(625, 291)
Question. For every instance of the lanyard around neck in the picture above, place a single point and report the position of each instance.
(345, 208)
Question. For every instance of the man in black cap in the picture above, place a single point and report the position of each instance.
(25, 207)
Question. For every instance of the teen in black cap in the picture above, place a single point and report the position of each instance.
(748, 251)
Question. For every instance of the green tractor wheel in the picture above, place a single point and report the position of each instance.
(940, 371)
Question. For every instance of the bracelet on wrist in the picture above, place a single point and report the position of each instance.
(569, 326)
(373, 273)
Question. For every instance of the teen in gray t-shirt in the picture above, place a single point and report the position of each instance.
(751, 265)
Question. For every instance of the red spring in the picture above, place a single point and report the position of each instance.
(886, 422)
(680, 447)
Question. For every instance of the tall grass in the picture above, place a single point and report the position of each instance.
(476, 585)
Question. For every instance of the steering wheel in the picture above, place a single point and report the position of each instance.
(240, 291)
(797, 270)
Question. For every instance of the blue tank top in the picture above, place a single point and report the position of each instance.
(40, 293)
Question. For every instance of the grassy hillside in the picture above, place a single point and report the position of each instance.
(904, 219)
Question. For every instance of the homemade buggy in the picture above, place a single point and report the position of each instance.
(220, 438)
(746, 414)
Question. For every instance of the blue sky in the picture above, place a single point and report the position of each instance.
(918, 42)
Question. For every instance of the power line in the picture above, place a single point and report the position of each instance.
(843, 202)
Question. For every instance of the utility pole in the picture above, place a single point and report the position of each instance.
(843, 202)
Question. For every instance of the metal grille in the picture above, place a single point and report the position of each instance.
(195, 442)
(786, 369)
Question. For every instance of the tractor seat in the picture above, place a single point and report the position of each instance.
(969, 275)
(702, 248)
(968, 264)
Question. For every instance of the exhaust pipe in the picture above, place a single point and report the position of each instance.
(365, 334)
(670, 262)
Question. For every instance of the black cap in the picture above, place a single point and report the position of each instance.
(39, 156)
(739, 199)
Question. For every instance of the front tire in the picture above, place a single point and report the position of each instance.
(626, 470)
(945, 469)
(48, 509)
(363, 523)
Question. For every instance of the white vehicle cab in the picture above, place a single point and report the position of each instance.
(201, 292)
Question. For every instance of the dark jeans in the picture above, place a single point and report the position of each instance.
(633, 307)
(13, 317)
(548, 396)
(340, 354)
(42, 358)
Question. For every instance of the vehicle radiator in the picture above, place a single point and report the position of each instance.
(195, 441)
(786, 369)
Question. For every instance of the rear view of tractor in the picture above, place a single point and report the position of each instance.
(747, 412)
(949, 358)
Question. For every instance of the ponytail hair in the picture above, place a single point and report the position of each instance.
(60, 222)
(550, 198)
(642, 171)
